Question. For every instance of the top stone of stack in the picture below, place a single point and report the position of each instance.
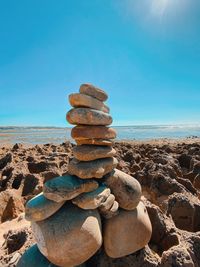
(88, 107)
(91, 90)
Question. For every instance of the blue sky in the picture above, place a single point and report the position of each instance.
(144, 53)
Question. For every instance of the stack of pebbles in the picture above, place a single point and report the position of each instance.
(66, 218)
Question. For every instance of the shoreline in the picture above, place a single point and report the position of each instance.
(152, 141)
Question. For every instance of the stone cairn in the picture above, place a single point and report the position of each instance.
(66, 218)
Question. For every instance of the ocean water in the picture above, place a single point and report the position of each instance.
(42, 135)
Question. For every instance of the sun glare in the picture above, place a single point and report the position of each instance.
(159, 7)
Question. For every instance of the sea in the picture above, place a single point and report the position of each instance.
(58, 135)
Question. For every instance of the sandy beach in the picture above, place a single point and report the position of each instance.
(168, 170)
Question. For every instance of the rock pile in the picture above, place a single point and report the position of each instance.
(67, 216)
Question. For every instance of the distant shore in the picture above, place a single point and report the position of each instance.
(58, 135)
(156, 141)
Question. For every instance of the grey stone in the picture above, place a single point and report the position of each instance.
(92, 200)
(67, 187)
(39, 208)
(92, 152)
(92, 169)
(87, 116)
(126, 189)
(127, 232)
(93, 91)
(70, 236)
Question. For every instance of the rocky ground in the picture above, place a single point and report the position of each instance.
(169, 172)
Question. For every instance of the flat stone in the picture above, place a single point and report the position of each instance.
(94, 141)
(113, 211)
(92, 152)
(126, 189)
(127, 232)
(92, 200)
(92, 90)
(34, 258)
(87, 116)
(67, 187)
(69, 237)
(82, 100)
(90, 132)
(39, 208)
(91, 169)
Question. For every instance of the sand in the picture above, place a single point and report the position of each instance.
(168, 170)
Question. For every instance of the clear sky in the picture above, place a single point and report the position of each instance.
(144, 53)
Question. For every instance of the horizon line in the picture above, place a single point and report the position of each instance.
(128, 125)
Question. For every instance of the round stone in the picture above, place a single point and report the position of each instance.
(109, 208)
(94, 141)
(91, 169)
(87, 116)
(67, 187)
(82, 100)
(92, 152)
(90, 132)
(34, 258)
(92, 200)
(127, 232)
(39, 208)
(106, 205)
(93, 91)
(69, 237)
(113, 211)
(127, 190)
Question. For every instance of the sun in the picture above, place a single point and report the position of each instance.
(159, 7)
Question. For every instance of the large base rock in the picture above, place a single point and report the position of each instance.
(127, 232)
(33, 258)
(69, 237)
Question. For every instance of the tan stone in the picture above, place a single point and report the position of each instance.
(92, 200)
(106, 205)
(113, 211)
(67, 187)
(126, 189)
(91, 169)
(93, 91)
(92, 152)
(82, 100)
(87, 116)
(70, 236)
(90, 132)
(39, 208)
(94, 141)
(127, 232)
(109, 208)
